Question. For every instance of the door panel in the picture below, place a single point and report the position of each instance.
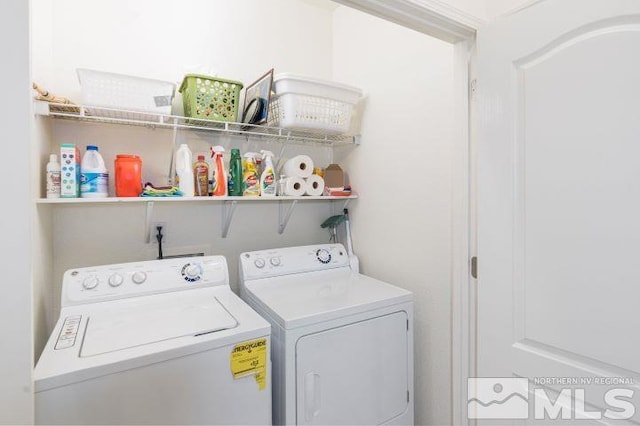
(558, 205)
(356, 374)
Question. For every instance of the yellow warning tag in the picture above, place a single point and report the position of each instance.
(250, 358)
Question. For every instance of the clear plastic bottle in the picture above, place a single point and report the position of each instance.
(184, 170)
(201, 177)
(235, 173)
(53, 177)
(94, 178)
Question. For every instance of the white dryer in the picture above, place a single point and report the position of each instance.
(342, 342)
(155, 342)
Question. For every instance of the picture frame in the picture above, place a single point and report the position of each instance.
(256, 100)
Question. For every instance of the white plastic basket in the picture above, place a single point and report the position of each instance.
(310, 104)
(110, 90)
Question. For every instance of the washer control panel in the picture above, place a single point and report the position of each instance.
(69, 332)
(292, 260)
(109, 282)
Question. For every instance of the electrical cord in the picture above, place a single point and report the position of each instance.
(159, 237)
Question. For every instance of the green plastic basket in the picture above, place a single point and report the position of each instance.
(210, 98)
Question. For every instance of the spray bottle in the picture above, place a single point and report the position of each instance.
(250, 178)
(219, 173)
(268, 176)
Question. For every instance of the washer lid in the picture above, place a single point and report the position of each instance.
(301, 299)
(155, 319)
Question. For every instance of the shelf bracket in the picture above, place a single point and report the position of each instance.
(147, 221)
(228, 208)
(344, 206)
(284, 214)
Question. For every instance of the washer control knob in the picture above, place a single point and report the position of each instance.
(90, 282)
(259, 262)
(275, 261)
(116, 280)
(323, 256)
(139, 277)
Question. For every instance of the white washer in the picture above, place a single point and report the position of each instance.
(342, 342)
(152, 343)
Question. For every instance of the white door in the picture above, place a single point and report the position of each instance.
(354, 375)
(559, 213)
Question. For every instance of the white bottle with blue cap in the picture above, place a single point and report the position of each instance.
(94, 178)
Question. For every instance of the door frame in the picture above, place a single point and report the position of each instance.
(449, 24)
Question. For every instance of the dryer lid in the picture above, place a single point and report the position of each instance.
(301, 299)
(153, 319)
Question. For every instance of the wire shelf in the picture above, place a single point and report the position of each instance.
(152, 120)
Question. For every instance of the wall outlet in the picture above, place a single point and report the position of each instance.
(153, 231)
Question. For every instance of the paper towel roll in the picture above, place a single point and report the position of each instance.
(300, 166)
(294, 186)
(314, 185)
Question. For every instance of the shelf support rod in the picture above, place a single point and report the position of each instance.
(284, 216)
(173, 149)
(279, 162)
(228, 208)
(147, 222)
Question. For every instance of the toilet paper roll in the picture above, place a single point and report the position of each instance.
(294, 186)
(300, 166)
(314, 185)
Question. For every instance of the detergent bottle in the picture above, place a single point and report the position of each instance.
(184, 170)
(219, 172)
(235, 173)
(250, 178)
(268, 176)
(94, 178)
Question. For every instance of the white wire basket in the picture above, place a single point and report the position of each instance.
(110, 90)
(303, 103)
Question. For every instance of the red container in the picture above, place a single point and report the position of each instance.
(128, 175)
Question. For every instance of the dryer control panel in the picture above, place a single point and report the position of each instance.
(110, 282)
(292, 260)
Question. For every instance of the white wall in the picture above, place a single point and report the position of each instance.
(402, 171)
(164, 39)
(157, 39)
(15, 369)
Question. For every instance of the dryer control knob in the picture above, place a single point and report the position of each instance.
(192, 272)
(90, 282)
(275, 261)
(116, 280)
(259, 262)
(323, 256)
(139, 277)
